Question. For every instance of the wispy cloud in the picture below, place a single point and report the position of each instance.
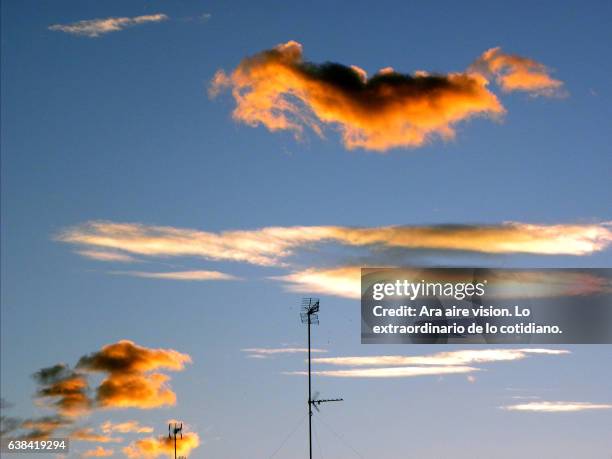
(179, 275)
(88, 434)
(278, 89)
(262, 353)
(271, 246)
(517, 73)
(98, 451)
(557, 407)
(109, 427)
(462, 357)
(96, 27)
(345, 281)
(103, 255)
(392, 372)
(441, 363)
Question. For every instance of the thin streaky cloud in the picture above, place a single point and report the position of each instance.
(179, 275)
(271, 246)
(102, 255)
(95, 27)
(463, 357)
(345, 281)
(262, 353)
(393, 372)
(88, 434)
(557, 407)
(125, 427)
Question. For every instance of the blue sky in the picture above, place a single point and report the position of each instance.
(120, 128)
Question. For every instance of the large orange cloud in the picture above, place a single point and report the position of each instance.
(517, 73)
(153, 447)
(278, 89)
(132, 378)
(272, 245)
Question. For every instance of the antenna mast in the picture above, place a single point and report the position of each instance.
(310, 316)
(172, 431)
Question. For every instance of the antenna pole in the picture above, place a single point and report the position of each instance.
(310, 315)
(309, 397)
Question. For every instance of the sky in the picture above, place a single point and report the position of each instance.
(177, 175)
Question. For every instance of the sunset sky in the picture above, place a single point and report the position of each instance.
(177, 175)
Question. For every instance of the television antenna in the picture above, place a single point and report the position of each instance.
(310, 315)
(173, 431)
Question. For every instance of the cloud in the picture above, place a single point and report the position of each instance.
(153, 447)
(517, 73)
(88, 434)
(132, 380)
(262, 353)
(392, 372)
(125, 427)
(441, 363)
(43, 427)
(557, 407)
(271, 246)
(66, 388)
(96, 27)
(179, 275)
(101, 255)
(345, 281)
(279, 90)
(463, 357)
(98, 451)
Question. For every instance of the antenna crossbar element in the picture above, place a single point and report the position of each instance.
(310, 311)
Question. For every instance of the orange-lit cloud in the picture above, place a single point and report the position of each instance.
(152, 447)
(44, 427)
(132, 377)
(98, 451)
(463, 357)
(96, 27)
(271, 246)
(179, 275)
(109, 427)
(66, 389)
(517, 73)
(89, 435)
(557, 407)
(279, 90)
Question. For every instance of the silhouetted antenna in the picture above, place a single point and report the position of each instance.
(172, 432)
(310, 315)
